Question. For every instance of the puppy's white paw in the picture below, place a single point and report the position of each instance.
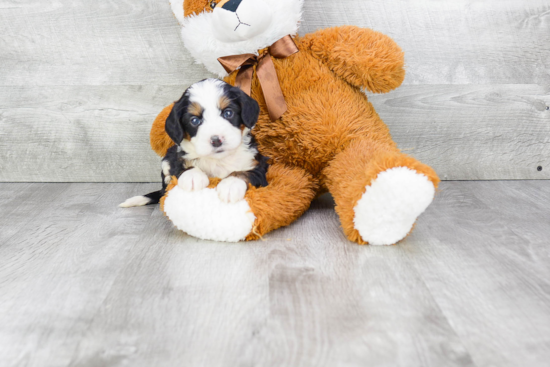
(166, 171)
(193, 180)
(231, 189)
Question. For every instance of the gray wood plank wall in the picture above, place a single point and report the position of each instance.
(81, 82)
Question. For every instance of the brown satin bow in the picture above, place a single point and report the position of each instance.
(267, 75)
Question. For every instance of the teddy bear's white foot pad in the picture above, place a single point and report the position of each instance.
(201, 214)
(388, 209)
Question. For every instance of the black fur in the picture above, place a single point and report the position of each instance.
(246, 107)
(154, 197)
(176, 161)
(173, 126)
(256, 176)
(178, 126)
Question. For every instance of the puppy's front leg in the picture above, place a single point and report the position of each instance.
(232, 189)
(172, 165)
(193, 179)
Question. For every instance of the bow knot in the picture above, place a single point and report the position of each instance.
(265, 70)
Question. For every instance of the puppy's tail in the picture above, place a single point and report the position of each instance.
(149, 199)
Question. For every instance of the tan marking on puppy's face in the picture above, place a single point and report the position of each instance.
(195, 109)
(224, 102)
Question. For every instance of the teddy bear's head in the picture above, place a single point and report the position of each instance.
(217, 28)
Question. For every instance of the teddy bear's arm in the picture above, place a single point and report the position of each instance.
(159, 140)
(361, 56)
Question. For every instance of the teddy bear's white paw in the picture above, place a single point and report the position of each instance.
(193, 180)
(231, 189)
(202, 214)
(388, 209)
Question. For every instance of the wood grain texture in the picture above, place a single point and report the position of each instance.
(487, 261)
(101, 133)
(81, 83)
(470, 132)
(84, 283)
(72, 42)
(86, 134)
(62, 261)
(79, 42)
(453, 41)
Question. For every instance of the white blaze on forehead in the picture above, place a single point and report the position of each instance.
(208, 94)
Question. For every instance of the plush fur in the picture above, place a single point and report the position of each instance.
(330, 138)
(199, 35)
(208, 219)
(388, 209)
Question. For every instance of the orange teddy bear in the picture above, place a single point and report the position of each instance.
(319, 129)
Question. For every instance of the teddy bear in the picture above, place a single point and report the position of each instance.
(316, 124)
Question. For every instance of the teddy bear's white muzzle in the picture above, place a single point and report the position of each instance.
(237, 21)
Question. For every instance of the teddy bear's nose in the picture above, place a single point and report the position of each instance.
(232, 5)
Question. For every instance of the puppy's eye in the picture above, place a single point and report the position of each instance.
(227, 113)
(195, 121)
(212, 4)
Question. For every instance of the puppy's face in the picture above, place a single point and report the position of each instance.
(211, 118)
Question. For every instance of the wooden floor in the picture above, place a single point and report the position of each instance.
(84, 283)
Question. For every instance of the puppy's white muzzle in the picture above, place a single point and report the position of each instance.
(214, 126)
(249, 19)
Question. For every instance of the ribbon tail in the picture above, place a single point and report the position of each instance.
(284, 47)
(244, 79)
(274, 99)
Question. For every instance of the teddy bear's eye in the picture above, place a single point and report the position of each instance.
(212, 4)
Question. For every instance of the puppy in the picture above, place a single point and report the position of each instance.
(210, 126)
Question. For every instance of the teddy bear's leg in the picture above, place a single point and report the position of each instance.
(201, 214)
(286, 197)
(379, 191)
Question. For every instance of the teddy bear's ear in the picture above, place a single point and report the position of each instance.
(177, 9)
(185, 8)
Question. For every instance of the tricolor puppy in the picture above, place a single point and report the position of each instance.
(210, 126)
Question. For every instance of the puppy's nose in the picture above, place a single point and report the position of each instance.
(216, 141)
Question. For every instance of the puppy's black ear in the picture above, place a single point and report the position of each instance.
(173, 124)
(250, 110)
